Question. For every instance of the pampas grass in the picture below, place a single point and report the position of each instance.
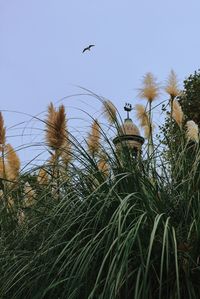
(172, 85)
(142, 115)
(94, 138)
(13, 163)
(177, 113)
(66, 152)
(2, 130)
(42, 177)
(2, 168)
(56, 127)
(192, 131)
(9, 161)
(103, 165)
(110, 111)
(119, 230)
(144, 120)
(30, 195)
(150, 88)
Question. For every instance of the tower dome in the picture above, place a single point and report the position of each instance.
(129, 135)
(129, 128)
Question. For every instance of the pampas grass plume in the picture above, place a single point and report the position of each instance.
(2, 130)
(103, 165)
(56, 127)
(66, 154)
(42, 177)
(30, 195)
(150, 88)
(145, 123)
(177, 113)
(2, 168)
(94, 138)
(13, 163)
(52, 160)
(142, 115)
(110, 111)
(172, 85)
(192, 132)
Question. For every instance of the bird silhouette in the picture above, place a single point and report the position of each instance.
(88, 48)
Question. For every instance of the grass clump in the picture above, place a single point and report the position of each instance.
(96, 222)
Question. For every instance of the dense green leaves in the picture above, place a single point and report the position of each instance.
(190, 98)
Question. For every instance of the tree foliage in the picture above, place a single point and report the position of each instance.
(190, 98)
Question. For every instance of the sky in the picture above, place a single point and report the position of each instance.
(41, 57)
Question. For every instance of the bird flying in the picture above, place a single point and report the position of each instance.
(88, 48)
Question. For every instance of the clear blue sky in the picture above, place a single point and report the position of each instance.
(42, 40)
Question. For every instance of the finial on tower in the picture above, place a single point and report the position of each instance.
(128, 108)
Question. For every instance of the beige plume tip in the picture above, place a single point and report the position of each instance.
(150, 88)
(172, 85)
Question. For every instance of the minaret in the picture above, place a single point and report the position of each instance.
(129, 135)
